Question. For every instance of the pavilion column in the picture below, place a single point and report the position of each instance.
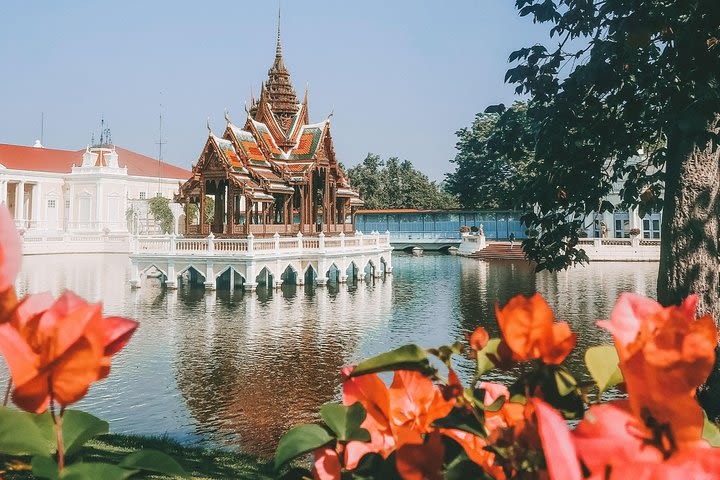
(288, 213)
(228, 209)
(303, 206)
(202, 208)
(20, 204)
(187, 215)
(35, 207)
(327, 202)
(3, 192)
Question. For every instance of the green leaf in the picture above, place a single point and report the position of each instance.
(407, 357)
(95, 471)
(711, 432)
(299, 441)
(153, 461)
(565, 382)
(44, 466)
(461, 420)
(484, 364)
(462, 468)
(602, 363)
(346, 421)
(79, 427)
(23, 433)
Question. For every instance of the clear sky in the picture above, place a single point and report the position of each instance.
(402, 76)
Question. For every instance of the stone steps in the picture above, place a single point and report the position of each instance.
(500, 251)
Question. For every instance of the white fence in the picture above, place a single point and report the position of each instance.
(57, 243)
(250, 246)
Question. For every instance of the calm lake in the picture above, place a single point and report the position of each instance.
(237, 370)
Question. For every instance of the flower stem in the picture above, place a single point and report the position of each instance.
(7, 393)
(57, 420)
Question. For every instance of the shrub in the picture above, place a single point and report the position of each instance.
(429, 425)
(55, 349)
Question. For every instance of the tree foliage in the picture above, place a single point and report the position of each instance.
(160, 210)
(626, 75)
(209, 211)
(397, 184)
(487, 175)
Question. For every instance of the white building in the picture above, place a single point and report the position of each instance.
(620, 223)
(85, 191)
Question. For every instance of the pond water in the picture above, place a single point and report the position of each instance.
(237, 370)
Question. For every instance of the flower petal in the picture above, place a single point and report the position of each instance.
(560, 455)
(627, 316)
(326, 465)
(118, 331)
(557, 343)
(524, 322)
(421, 462)
(10, 250)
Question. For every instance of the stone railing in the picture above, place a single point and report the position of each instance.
(251, 246)
(36, 243)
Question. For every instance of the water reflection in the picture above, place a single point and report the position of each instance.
(237, 369)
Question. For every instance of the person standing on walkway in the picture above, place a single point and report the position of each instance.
(512, 240)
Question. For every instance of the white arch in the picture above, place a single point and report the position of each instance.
(164, 272)
(238, 272)
(200, 272)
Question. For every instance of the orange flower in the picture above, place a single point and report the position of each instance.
(422, 461)
(396, 416)
(614, 444)
(415, 402)
(560, 455)
(528, 330)
(373, 394)
(10, 252)
(10, 257)
(474, 446)
(56, 349)
(479, 338)
(327, 464)
(665, 354)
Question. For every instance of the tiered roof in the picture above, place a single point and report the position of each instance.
(278, 147)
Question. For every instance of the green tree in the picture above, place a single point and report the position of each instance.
(160, 210)
(625, 75)
(487, 175)
(397, 184)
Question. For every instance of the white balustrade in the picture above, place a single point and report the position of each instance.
(250, 246)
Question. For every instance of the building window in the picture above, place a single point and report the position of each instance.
(142, 195)
(158, 194)
(67, 203)
(51, 203)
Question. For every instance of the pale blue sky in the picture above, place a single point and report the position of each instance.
(402, 76)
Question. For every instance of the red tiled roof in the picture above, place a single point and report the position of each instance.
(19, 157)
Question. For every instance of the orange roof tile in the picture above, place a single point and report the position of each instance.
(20, 157)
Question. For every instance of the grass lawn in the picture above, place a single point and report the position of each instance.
(200, 463)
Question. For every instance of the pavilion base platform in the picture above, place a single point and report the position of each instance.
(248, 262)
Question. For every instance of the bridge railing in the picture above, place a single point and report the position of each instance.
(250, 246)
(395, 236)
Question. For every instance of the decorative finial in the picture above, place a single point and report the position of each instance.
(208, 126)
(332, 112)
(227, 116)
(307, 89)
(278, 49)
(247, 110)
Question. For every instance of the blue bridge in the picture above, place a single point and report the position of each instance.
(437, 229)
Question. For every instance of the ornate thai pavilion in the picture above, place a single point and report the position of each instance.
(275, 174)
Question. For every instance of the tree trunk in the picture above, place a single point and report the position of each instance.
(689, 253)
